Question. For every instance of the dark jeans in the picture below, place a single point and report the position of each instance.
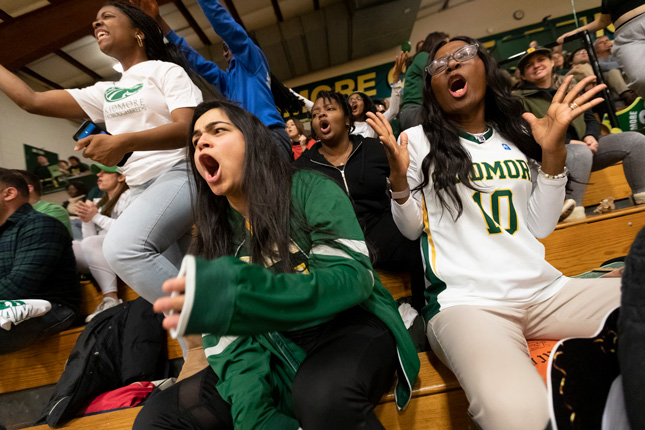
(631, 333)
(349, 366)
(59, 318)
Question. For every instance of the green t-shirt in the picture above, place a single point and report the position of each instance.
(54, 211)
(413, 93)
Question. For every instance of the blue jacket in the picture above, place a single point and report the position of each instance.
(247, 79)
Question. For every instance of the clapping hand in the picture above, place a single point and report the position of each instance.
(86, 210)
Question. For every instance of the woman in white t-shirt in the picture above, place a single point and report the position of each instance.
(98, 216)
(478, 214)
(147, 113)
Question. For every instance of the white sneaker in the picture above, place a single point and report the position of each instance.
(639, 198)
(567, 209)
(106, 303)
(578, 214)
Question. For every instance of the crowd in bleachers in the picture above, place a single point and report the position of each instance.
(259, 240)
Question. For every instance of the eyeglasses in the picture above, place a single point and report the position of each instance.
(462, 54)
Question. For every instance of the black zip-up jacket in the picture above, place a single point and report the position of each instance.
(363, 177)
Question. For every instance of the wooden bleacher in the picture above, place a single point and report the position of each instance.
(609, 182)
(438, 402)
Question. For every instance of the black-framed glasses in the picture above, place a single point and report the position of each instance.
(462, 54)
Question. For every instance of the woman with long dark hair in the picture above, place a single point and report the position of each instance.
(147, 113)
(477, 213)
(281, 281)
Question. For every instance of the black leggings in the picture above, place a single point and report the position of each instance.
(393, 251)
(349, 366)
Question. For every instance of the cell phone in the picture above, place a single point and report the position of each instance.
(88, 128)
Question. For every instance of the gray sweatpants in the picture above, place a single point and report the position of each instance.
(629, 50)
(628, 147)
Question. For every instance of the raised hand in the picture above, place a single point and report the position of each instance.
(398, 156)
(560, 39)
(173, 304)
(399, 62)
(549, 132)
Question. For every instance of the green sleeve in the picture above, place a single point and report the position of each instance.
(246, 382)
(232, 297)
(55, 211)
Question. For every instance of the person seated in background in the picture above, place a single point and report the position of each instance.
(42, 170)
(77, 168)
(611, 70)
(360, 166)
(559, 64)
(581, 68)
(48, 208)
(63, 167)
(97, 217)
(361, 103)
(36, 263)
(299, 140)
(586, 150)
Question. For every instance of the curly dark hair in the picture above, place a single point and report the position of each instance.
(341, 99)
(447, 159)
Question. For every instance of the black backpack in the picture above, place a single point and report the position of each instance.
(121, 345)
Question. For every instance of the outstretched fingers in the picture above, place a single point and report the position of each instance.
(381, 126)
(577, 89)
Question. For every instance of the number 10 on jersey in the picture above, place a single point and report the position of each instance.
(494, 222)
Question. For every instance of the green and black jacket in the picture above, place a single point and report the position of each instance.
(244, 306)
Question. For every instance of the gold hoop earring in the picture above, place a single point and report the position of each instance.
(139, 40)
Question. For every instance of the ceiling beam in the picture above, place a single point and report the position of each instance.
(44, 80)
(4, 16)
(45, 30)
(276, 10)
(74, 62)
(233, 11)
(191, 20)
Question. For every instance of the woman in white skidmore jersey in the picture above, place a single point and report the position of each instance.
(478, 215)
